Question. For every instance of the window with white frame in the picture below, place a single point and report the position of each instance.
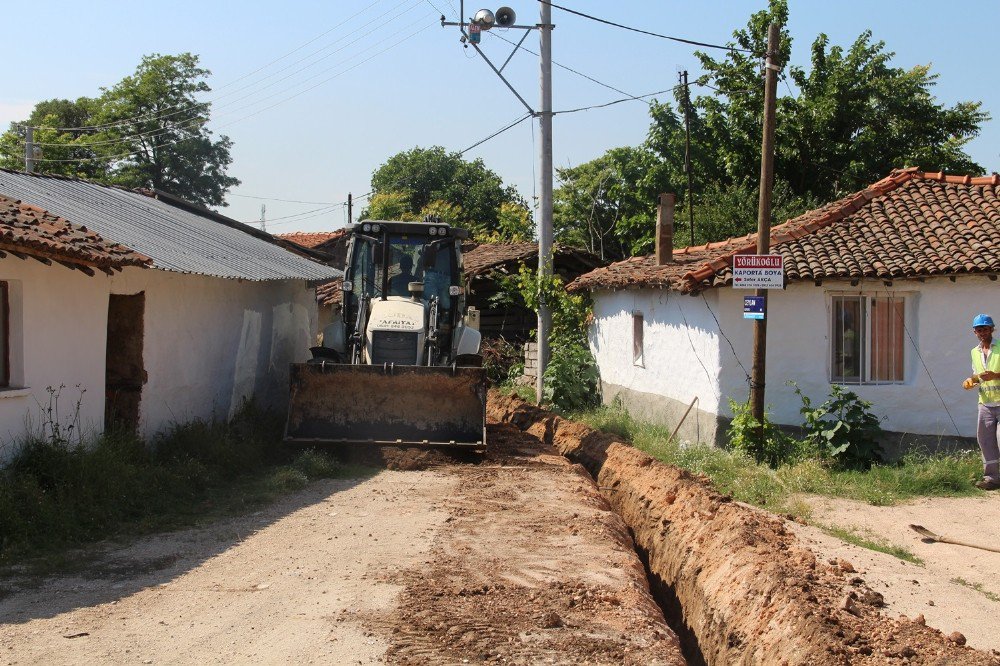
(637, 338)
(867, 339)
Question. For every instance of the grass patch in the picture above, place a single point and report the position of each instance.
(916, 475)
(55, 495)
(977, 587)
(871, 542)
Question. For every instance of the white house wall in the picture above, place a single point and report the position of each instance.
(211, 343)
(681, 352)
(938, 317)
(58, 326)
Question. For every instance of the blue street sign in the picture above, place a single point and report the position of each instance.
(753, 307)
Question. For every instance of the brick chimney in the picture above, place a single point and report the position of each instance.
(665, 230)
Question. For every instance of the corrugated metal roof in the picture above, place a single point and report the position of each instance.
(175, 238)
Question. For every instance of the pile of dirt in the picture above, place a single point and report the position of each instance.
(534, 567)
(740, 586)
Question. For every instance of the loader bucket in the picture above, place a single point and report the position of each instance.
(386, 405)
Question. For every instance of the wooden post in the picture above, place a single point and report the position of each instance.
(764, 221)
(665, 230)
(687, 152)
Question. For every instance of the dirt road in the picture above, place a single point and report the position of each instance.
(953, 587)
(513, 559)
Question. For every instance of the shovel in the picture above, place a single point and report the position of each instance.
(930, 536)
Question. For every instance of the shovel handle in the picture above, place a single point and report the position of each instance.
(927, 534)
(967, 544)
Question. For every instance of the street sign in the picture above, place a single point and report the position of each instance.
(758, 271)
(753, 307)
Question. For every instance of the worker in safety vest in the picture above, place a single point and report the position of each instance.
(986, 376)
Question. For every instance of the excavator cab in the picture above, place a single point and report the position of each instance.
(402, 365)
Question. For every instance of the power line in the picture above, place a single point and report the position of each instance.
(186, 124)
(315, 203)
(250, 115)
(561, 66)
(497, 133)
(645, 32)
(158, 115)
(617, 101)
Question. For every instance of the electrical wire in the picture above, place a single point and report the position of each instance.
(315, 203)
(947, 411)
(645, 32)
(618, 101)
(158, 115)
(495, 35)
(497, 133)
(250, 115)
(257, 100)
(687, 329)
(726, 338)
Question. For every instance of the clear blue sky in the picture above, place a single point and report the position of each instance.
(371, 78)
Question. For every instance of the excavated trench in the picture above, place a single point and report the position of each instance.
(734, 583)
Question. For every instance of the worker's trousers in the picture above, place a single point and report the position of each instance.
(989, 423)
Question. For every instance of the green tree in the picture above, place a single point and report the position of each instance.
(62, 135)
(854, 118)
(158, 131)
(431, 180)
(148, 130)
(606, 205)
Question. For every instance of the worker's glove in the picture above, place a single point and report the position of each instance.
(969, 383)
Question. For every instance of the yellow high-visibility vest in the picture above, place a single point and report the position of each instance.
(989, 392)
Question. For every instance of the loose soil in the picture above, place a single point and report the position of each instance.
(931, 589)
(512, 557)
(737, 582)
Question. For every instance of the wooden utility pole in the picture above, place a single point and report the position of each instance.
(350, 209)
(687, 149)
(771, 69)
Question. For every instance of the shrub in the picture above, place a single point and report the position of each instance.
(571, 378)
(745, 435)
(842, 428)
(502, 361)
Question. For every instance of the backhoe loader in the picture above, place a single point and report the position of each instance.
(401, 365)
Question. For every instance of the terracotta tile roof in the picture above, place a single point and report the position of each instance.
(312, 239)
(27, 230)
(479, 259)
(909, 224)
(330, 294)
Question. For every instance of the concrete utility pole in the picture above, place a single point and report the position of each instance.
(764, 220)
(29, 149)
(545, 185)
(263, 217)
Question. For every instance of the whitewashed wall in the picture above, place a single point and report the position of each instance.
(210, 343)
(58, 337)
(938, 318)
(681, 351)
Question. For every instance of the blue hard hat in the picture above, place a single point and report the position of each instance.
(982, 320)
